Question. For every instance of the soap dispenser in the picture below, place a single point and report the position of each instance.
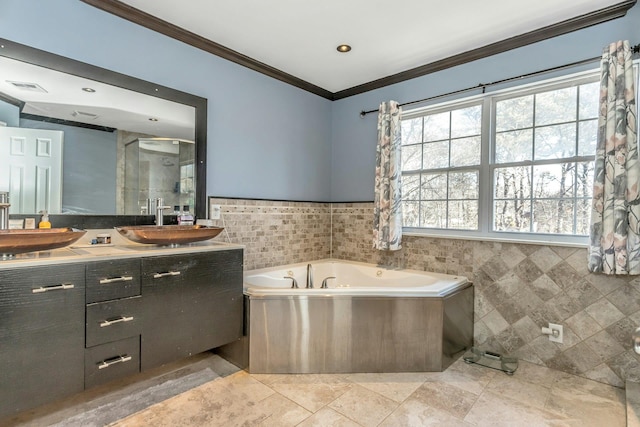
(44, 222)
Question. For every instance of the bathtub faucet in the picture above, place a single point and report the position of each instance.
(309, 276)
(294, 282)
(324, 282)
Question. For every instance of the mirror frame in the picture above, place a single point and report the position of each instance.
(66, 65)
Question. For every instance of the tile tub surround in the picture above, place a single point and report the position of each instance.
(518, 289)
(274, 232)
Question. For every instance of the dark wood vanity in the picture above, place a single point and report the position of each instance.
(68, 327)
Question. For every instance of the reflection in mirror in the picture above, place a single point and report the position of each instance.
(158, 168)
(69, 143)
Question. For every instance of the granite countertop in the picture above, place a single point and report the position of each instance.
(120, 247)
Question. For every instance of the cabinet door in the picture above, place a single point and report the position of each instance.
(192, 303)
(41, 335)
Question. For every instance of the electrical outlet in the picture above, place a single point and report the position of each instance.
(214, 212)
(560, 337)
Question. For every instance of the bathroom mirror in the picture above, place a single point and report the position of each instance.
(95, 113)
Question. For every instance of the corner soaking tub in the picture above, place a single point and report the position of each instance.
(368, 319)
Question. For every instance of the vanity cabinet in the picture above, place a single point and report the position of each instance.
(65, 328)
(192, 303)
(41, 335)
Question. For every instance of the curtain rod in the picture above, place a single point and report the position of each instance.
(634, 49)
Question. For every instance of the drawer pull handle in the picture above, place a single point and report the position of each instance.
(168, 273)
(116, 279)
(110, 322)
(60, 287)
(114, 360)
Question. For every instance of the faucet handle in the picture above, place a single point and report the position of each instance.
(324, 282)
(294, 282)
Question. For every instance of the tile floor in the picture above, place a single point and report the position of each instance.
(463, 395)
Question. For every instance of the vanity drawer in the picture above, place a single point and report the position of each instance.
(111, 361)
(113, 320)
(107, 280)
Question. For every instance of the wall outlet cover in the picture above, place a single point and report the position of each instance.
(560, 337)
(214, 212)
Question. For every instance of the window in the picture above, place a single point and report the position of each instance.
(502, 165)
(441, 168)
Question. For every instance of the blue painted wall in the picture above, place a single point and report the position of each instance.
(354, 139)
(9, 114)
(266, 139)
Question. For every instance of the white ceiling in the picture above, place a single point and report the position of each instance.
(300, 37)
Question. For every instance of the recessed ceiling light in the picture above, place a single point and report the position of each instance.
(343, 48)
(153, 119)
(88, 89)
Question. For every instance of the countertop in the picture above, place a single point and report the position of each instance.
(120, 247)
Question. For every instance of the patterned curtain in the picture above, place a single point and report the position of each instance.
(615, 241)
(387, 210)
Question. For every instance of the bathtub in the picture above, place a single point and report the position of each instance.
(350, 278)
(368, 319)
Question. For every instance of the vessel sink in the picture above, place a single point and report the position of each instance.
(21, 241)
(168, 234)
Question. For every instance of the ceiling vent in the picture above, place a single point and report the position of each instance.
(30, 87)
(84, 115)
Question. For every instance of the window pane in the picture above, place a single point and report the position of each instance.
(436, 127)
(410, 214)
(516, 113)
(512, 183)
(584, 179)
(515, 146)
(436, 155)
(589, 101)
(463, 215)
(411, 187)
(587, 137)
(411, 157)
(434, 186)
(463, 185)
(583, 216)
(553, 180)
(512, 215)
(555, 142)
(433, 214)
(465, 151)
(556, 106)
(466, 121)
(411, 131)
(553, 216)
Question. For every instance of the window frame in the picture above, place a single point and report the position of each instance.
(487, 165)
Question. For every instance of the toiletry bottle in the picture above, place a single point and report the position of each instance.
(44, 222)
(185, 218)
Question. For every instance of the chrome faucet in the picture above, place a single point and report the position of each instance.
(159, 208)
(4, 210)
(309, 276)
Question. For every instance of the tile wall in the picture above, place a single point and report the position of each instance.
(276, 233)
(518, 287)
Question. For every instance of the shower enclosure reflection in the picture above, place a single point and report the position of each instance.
(159, 168)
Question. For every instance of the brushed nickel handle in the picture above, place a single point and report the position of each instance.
(114, 360)
(60, 287)
(166, 274)
(116, 279)
(324, 282)
(110, 322)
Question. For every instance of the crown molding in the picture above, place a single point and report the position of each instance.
(151, 22)
(144, 19)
